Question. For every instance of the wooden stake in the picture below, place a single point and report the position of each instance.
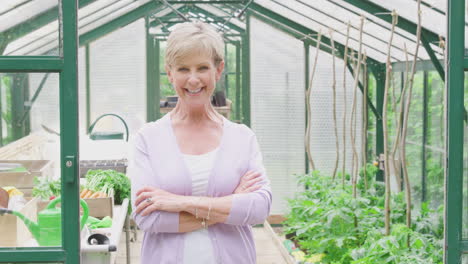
(405, 122)
(353, 111)
(335, 124)
(364, 124)
(343, 169)
(385, 128)
(309, 89)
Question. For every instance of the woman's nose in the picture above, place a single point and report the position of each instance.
(193, 78)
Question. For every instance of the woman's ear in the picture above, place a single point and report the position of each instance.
(169, 74)
(219, 70)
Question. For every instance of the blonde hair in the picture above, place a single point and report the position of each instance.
(191, 38)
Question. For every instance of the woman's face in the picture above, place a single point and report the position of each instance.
(195, 79)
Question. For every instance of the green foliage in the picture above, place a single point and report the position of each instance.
(429, 221)
(434, 98)
(166, 87)
(44, 188)
(371, 171)
(394, 249)
(97, 180)
(339, 175)
(325, 218)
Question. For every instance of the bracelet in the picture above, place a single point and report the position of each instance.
(209, 210)
(196, 209)
(203, 223)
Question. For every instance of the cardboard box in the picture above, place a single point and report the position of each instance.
(24, 180)
(14, 232)
(98, 207)
(101, 207)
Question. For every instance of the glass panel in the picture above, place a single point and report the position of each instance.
(466, 19)
(371, 120)
(219, 12)
(374, 35)
(278, 94)
(400, 37)
(30, 28)
(231, 78)
(304, 18)
(435, 140)
(165, 86)
(414, 139)
(436, 4)
(431, 19)
(101, 12)
(393, 106)
(29, 159)
(118, 79)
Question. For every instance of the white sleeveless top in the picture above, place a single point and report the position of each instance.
(197, 246)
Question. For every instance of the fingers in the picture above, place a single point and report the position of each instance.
(252, 181)
(142, 197)
(145, 208)
(250, 174)
(148, 210)
(252, 188)
(249, 186)
(249, 179)
(145, 189)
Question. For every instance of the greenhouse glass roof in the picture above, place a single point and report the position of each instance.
(29, 27)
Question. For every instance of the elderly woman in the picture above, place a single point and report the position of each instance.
(198, 182)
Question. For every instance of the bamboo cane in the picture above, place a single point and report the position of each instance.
(308, 91)
(353, 110)
(385, 128)
(343, 168)
(351, 131)
(396, 148)
(364, 123)
(405, 121)
(337, 143)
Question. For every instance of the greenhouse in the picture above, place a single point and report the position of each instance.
(357, 107)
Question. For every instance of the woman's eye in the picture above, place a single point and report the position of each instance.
(182, 69)
(203, 68)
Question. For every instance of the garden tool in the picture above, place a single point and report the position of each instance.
(48, 229)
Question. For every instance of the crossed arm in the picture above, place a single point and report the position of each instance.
(191, 207)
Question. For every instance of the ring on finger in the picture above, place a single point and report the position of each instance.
(149, 200)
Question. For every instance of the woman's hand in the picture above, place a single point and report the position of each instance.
(150, 199)
(248, 182)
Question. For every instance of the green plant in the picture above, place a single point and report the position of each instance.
(109, 179)
(393, 249)
(325, 218)
(46, 188)
(429, 221)
(371, 172)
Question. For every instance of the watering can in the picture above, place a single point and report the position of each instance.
(48, 229)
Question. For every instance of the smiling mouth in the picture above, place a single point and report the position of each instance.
(194, 92)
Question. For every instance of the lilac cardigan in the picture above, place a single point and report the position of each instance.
(157, 161)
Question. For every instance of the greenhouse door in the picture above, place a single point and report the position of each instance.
(456, 213)
(38, 131)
